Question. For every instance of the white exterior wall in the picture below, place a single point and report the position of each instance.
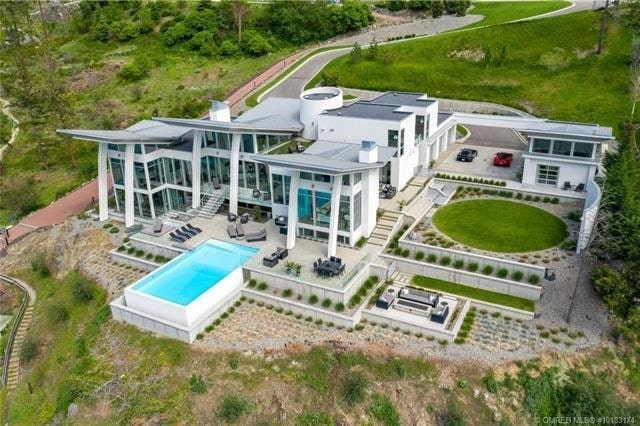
(370, 201)
(575, 173)
(354, 130)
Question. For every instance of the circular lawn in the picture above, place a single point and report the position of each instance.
(500, 226)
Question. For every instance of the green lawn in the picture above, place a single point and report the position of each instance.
(548, 68)
(501, 12)
(474, 293)
(500, 226)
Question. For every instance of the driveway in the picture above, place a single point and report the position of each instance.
(482, 165)
(495, 137)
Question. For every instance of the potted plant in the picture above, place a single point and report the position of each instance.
(297, 268)
(289, 265)
(401, 204)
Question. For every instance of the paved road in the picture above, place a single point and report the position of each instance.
(292, 86)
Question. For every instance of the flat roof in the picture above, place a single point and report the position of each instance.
(403, 98)
(328, 158)
(364, 109)
(443, 116)
(319, 96)
(274, 112)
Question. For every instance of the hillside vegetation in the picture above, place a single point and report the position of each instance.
(547, 67)
(110, 64)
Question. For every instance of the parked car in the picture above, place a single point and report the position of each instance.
(503, 159)
(467, 155)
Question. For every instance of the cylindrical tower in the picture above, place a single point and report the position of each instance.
(313, 102)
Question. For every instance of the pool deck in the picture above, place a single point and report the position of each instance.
(305, 251)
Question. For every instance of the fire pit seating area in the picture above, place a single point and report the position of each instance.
(414, 301)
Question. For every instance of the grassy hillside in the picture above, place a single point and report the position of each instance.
(118, 374)
(501, 12)
(547, 67)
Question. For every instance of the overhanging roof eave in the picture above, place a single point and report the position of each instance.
(227, 126)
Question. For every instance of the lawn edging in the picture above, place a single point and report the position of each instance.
(466, 278)
(468, 258)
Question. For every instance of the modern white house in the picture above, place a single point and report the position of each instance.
(315, 160)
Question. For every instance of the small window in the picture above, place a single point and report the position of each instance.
(562, 147)
(584, 150)
(306, 175)
(345, 180)
(541, 145)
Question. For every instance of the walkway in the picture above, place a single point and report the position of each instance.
(14, 130)
(13, 371)
(57, 212)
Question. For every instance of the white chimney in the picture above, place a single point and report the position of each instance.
(368, 152)
(219, 111)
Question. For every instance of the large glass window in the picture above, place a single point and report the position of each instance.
(305, 206)
(278, 189)
(225, 170)
(263, 178)
(343, 215)
(401, 142)
(263, 142)
(323, 208)
(117, 171)
(385, 173)
(160, 203)
(419, 127)
(392, 138)
(247, 143)
(541, 145)
(581, 149)
(547, 175)
(140, 179)
(357, 177)
(321, 178)
(561, 147)
(156, 174)
(357, 210)
(287, 187)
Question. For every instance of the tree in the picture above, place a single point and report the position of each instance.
(437, 8)
(240, 11)
(374, 50)
(356, 53)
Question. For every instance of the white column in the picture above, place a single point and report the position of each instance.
(195, 168)
(129, 213)
(335, 212)
(370, 200)
(292, 219)
(234, 159)
(103, 188)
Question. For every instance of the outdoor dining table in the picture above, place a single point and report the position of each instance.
(328, 267)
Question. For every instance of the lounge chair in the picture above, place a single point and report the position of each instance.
(188, 231)
(240, 234)
(231, 230)
(580, 187)
(567, 186)
(216, 183)
(282, 252)
(270, 261)
(183, 234)
(260, 235)
(193, 228)
(157, 226)
(177, 237)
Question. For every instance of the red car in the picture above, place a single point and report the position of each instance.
(502, 159)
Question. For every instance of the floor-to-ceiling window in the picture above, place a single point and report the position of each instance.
(357, 210)
(140, 180)
(117, 171)
(385, 173)
(323, 208)
(343, 213)
(305, 206)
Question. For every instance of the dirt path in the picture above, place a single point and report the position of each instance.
(14, 131)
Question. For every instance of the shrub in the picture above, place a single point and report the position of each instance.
(234, 363)
(232, 408)
(287, 292)
(130, 250)
(517, 275)
(139, 253)
(319, 321)
(472, 267)
(197, 384)
(354, 390)
(121, 248)
(313, 299)
(445, 261)
(555, 200)
(432, 258)
(199, 336)
(224, 315)
(533, 279)
(493, 386)
(405, 253)
(326, 303)
(339, 307)
(361, 242)
(359, 327)
(149, 256)
(81, 289)
(383, 410)
(502, 273)
(231, 310)
(262, 286)
(519, 196)
(397, 251)
(57, 313)
(487, 270)
(458, 264)
(40, 264)
(308, 319)
(253, 283)
(419, 255)
(29, 350)
(114, 230)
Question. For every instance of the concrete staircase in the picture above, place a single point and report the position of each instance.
(211, 205)
(382, 232)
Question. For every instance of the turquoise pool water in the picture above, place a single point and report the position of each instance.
(188, 276)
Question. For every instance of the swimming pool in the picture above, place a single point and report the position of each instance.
(184, 279)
